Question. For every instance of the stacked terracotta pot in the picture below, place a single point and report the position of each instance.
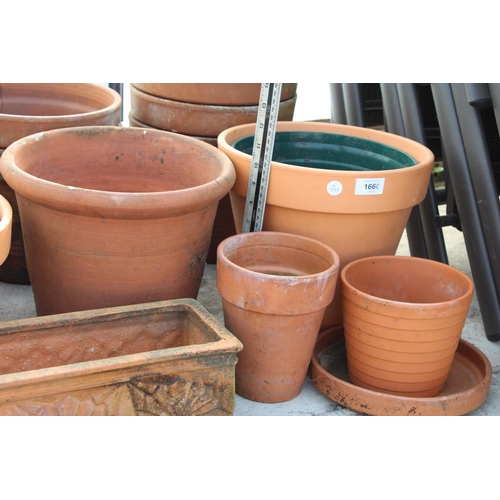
(203, 111)
(30, 108)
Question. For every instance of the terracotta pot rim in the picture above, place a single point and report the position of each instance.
(243, 238)
(116, 204)
(115, 104)
(240, 95)
(408, 305)
(249, 129)
(5, 214)
(223, 341)
(203, 108)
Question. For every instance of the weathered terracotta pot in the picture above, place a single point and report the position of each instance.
(29, 108)
(219, 94)
(403, 319)
(5, 228)
(224, 222)
(128, 219)
(334, 204)
(196, 119)
(274, 288)
(161, 358)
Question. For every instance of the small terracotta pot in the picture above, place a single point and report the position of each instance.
(196, 119)
(5, 228)
(126, 220)
(274, 288)
(29, 108)
(219, 94)
(330, 203)
(403, 319)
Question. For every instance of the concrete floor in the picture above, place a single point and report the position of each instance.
(17, 302)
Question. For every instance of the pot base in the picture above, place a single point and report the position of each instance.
(466, 389)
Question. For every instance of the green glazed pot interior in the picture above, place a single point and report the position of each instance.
(331, 152)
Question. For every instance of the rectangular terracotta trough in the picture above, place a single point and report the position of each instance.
(161, 358)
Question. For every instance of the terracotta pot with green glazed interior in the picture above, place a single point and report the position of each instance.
(115, 215)
(29, 108)
(403, 319)
(274, 288)
(5, 228)
(351, 188)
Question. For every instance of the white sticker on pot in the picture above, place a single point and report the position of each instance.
(369, 186)
(334, 188)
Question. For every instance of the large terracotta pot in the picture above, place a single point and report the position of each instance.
(5, 228)
(219, 94)
(403, 319)
(115, 216)
(159, 358)
(349, 206)
(196, 119)
(29, 108)
(274, 288)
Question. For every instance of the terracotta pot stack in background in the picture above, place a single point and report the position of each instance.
(203, 111)
(30, 108)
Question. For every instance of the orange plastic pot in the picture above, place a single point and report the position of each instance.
(223, 94)
(274, 288)
(5, 228)
(403, 319)
(204, 120)
(115, 215)
(330, 205)
(29, 108)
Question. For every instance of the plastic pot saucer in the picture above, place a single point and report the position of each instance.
(466, 389)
